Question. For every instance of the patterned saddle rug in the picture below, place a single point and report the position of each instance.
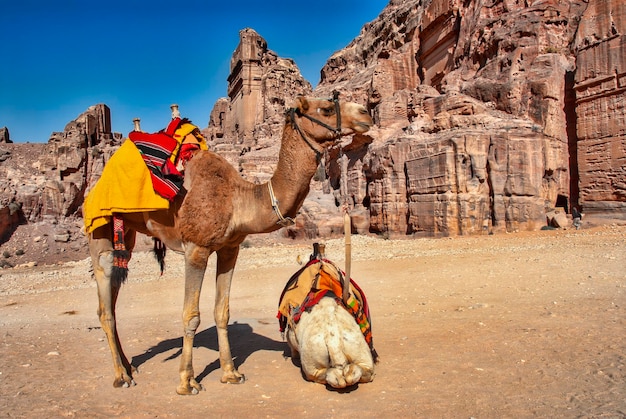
(165, 153)
(319, 278)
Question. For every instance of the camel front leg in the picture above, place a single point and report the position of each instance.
(196, 258)
(102, 260)
(226, 259)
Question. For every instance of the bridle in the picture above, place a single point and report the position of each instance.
(288, 221)
(336, 131)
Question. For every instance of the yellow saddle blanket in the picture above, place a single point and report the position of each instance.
(125, 186)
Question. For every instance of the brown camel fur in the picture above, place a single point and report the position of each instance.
(218, 211)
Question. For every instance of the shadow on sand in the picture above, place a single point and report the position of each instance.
(243, 343)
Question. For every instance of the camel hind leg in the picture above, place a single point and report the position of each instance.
(101, 250)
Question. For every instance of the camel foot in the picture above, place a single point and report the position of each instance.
(334, 378)
(189, 389)
(124, 382)
(234, 377)
(127, 385)
(352, 374)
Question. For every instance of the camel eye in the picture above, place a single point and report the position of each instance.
(326, 111)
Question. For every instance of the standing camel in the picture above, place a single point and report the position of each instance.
(216, 214)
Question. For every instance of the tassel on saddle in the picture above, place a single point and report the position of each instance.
(121, 256)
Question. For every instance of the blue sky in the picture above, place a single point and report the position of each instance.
(138, 56)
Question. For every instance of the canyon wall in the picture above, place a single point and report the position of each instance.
(476, 138)
(489, 116)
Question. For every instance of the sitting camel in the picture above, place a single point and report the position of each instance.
(216, 214)
(331, 339)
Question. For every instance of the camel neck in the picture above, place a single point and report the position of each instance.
(297, 164)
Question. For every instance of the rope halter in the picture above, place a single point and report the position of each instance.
(288, 221)
(336, 130)
(282, 221)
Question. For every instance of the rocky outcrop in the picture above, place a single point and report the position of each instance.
(246, 127)
(47, 182)
(9, 219)
(474, 102)
(4, 135)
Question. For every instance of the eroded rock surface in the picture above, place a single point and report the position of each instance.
(490, 116)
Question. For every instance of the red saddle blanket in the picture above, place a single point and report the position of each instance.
(163, 151)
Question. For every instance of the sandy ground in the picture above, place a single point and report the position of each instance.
(513, 325)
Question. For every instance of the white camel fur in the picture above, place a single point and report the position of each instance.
(331, 347)
(327, 322)
(215, 215)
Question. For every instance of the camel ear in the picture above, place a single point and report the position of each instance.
(302, 104)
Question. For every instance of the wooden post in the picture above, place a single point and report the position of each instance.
(347, 227)
(175, 111)
(136, 124)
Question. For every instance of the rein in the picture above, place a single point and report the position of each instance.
(288, 221)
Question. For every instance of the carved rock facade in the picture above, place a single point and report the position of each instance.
(247, 126)
(478, 114)
(600, 85)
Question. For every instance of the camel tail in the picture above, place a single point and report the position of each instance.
(159, 253)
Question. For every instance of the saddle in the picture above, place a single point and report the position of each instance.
(318, 278)
(128, 186)
(166, 152)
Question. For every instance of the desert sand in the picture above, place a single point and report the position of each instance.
(528, 324)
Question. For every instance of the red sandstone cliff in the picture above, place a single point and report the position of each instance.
(600, 87)
(489, 115)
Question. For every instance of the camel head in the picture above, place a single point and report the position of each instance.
(326, 120)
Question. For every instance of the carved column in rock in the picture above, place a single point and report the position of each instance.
(438, 39)
(387, 187)
(473, 197)
(244, 83)
(516, 167)
(600, 84)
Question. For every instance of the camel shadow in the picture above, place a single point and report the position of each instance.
(243, 343)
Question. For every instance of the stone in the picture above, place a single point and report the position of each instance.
(62, 237)
(4, 135)
(557, 218)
